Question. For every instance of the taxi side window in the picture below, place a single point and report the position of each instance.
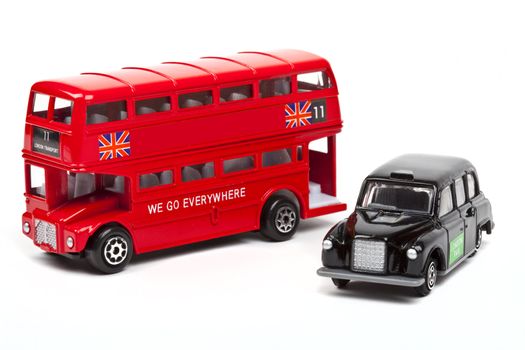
(471, 184)
(445, 203)
(460, 191)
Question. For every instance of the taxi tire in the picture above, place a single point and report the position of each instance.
(95, 250)
(425, 289)
(275, 206)
(479, 241)
(340, 283)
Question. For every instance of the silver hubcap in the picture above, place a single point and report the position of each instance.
(115, 250)
(431, 275)
(285, 219)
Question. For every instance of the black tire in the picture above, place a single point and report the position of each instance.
(279, 220)
(111, 250)
(340, 283)
(431, 270)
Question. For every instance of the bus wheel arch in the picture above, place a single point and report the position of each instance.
(280, 216)
(288, 193)
(110, 248)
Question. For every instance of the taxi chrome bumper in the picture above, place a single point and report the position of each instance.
(394, 280)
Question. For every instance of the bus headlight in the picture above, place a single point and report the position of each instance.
(412, 254)
(327, 244)
(70, 242)
(26, 227)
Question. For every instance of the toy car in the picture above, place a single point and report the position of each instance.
(417, 217)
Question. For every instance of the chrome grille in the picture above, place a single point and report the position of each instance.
(368, 255)
(45, 233)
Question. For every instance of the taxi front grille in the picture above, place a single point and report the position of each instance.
(369, 256)
(45, 233)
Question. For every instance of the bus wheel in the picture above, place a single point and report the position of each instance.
(111, 250)
(280, 219)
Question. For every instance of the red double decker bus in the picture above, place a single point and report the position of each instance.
(141, 159)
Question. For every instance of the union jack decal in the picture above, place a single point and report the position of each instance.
(298, 114)
(114, 145)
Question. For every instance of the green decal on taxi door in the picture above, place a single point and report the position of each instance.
(456, 250)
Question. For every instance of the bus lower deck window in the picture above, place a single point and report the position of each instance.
(197, 172)
(274, 87)
(313, 81)
(281, 156)
(37, 181)
(195, 99)
(106, 112)
(156, 179)
(114, 183)
(238, 164)
(153, 105)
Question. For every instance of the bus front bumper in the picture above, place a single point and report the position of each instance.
(394, 280)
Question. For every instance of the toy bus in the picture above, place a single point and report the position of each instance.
(142, 159)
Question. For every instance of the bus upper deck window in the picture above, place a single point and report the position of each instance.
(274, 87)
(153, 105)
(62, 110)
(195, 99)
(236, 93)
(40, 105)
(313, 81)
(106, 112)
(37, 181)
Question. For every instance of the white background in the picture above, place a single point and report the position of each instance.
(445, 77)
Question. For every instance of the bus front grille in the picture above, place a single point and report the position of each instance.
(45, 233)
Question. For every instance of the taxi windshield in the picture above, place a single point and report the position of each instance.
(50, 107)
(386, 195)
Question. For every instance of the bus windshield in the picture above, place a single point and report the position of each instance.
(60, 108)
(78, 184)
(398, 197)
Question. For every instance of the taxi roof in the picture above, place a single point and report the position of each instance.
(168, 76)
(437, 170)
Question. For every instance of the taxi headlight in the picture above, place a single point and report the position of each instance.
(412, 254)
(327, 244)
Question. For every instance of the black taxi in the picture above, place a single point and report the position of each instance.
(417, 217)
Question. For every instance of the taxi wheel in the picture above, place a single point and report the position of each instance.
(479, 239)
(431, 271)
(110, 251)
(280, 219)
(340, 283)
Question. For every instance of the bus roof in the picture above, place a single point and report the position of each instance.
(137, 81)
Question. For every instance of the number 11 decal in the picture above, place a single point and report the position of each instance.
(318, 111)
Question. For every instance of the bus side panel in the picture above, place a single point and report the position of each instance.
(238, 210)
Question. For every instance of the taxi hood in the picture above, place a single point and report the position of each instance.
(388, 225)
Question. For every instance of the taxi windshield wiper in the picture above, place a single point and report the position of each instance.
(380, 206)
